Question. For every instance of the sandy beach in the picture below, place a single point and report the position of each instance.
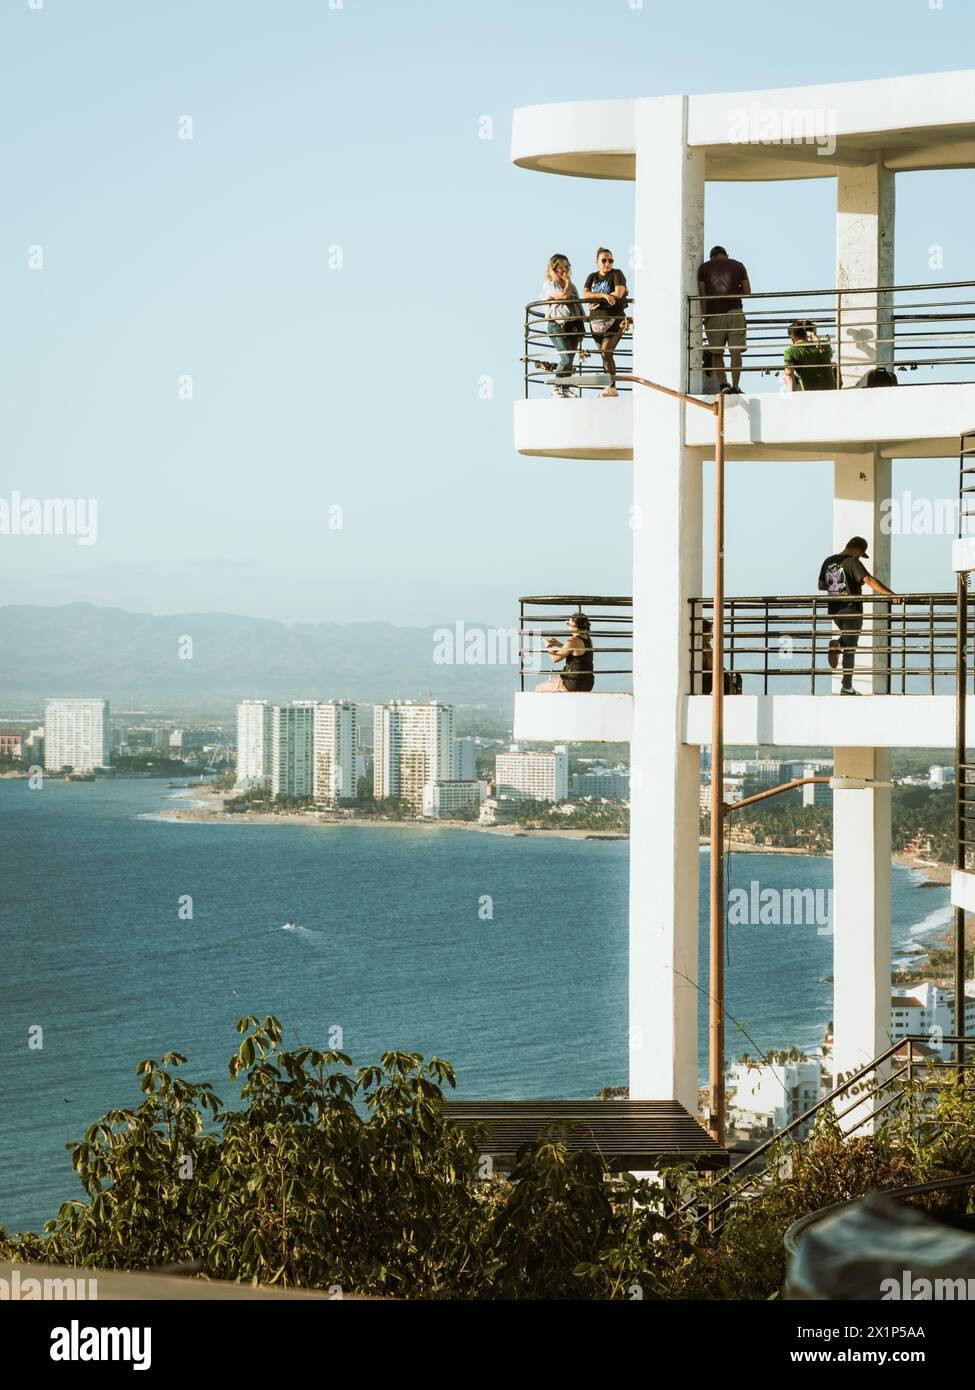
(213, 812)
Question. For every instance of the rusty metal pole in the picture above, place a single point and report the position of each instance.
(716, 935)
(961, 831)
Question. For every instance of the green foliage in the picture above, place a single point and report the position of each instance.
(324, 1175)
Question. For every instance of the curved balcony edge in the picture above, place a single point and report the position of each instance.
(916, 121)
(594, 428)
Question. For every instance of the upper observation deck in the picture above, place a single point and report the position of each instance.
(922, 336)
(920, 122)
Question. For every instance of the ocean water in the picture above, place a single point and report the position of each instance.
(392, 944)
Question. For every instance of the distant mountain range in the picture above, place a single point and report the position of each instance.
(208, 658)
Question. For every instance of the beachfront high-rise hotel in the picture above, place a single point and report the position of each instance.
(307, 748)
(861, 136)
(76, 735)
(413, 746)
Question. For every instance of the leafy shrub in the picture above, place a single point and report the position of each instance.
(326, 1177)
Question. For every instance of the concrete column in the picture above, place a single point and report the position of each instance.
(864, 258)
(664, 854)
(861, 917)
(861, 483)
(861, 819)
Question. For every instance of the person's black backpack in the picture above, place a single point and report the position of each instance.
(879, 376)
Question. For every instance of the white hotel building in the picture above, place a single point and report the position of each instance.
(523, 776)
(307, 748)
(668, 149)
(413, 746)
(253, 744)
(76, 735)
(335, 752)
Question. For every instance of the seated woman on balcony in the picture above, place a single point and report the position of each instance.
(809, 360)
(576, 652)
(606, 291)
(563, 313)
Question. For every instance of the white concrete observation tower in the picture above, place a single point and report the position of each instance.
(860, 135)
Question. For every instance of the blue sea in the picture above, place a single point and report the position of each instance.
(392, 944)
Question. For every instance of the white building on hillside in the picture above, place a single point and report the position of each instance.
(413, 745)
(254, 725)
(770, 1095)
(532, 776)
(927, 1009)
(76, 735)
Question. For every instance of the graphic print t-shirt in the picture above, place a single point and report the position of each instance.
(599, 283)
(855, 571)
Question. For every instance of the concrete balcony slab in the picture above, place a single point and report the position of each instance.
(963, 555)
(590, 427)
(963, 889)
(549, 717)
(922, 121)
(908, 422)
(832, 721)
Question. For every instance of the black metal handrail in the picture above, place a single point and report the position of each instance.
(909, 647)
(924, 1067)
(966, 484)
(542, 616)
(959, 1182)
(908, 328)
(541, 355)
(965, 801)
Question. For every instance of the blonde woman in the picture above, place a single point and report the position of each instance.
(563, 313)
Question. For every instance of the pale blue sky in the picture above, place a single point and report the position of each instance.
(358, 127)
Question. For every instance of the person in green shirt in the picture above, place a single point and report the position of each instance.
(808, 361)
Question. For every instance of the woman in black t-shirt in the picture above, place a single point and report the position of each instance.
(576, 652)
(606, 293)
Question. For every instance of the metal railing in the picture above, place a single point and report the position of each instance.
(544, 616)
(966, 484)
(908, 648)
(541, 356)
(915, 1074)
(926, 332)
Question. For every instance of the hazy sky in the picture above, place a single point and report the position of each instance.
(314, 387)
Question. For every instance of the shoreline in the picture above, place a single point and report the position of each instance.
(215, 813)
(936, 875)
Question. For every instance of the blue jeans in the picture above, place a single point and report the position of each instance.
(565, 344)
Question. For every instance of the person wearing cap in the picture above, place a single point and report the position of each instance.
(843, 577)
(721, 282)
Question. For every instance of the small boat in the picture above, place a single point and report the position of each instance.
(289, 926)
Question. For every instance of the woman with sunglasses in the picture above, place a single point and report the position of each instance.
(606, 292)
